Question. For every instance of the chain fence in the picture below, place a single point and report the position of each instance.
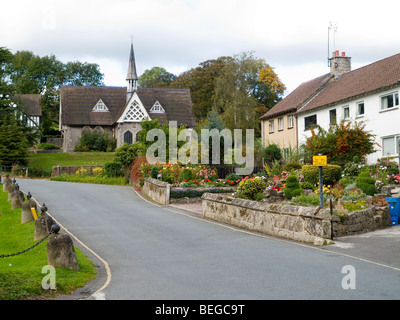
(27, 249)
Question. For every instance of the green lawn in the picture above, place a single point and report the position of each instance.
(48, 160)
(21, 275)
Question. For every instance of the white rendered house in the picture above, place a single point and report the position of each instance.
(369, 94)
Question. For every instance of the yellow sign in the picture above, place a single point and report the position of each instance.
(34, 213)
(320, 161)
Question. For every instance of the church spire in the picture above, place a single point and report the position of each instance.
(131, 77)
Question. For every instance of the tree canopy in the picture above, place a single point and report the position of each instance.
(155, 77)
(27, 73)
(341, 142)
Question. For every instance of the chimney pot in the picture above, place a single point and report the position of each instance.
(343, 54)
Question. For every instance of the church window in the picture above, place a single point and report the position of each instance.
(128, 138)
(134, 113)
(100, 107)
(157, 108)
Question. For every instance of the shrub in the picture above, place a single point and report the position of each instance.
(154, 171)
(292, 187)
(272, 153)
(330, 174)
(291, 166)
(95, 141)
(345, 181)
(248, 188)
(311, 199)
(355, 206)
(47, 146)
(352, 192)
(186, 174)
(366, 183)
(126, 153)
(113, 169)
(308, 185)
(233, 177)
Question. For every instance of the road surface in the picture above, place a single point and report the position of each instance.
(151, 252)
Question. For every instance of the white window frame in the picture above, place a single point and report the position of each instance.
(290, 121)
(280, 124)
(358, 109)
(396, 139)
(271, 126)
(395, 97)
(309, 126)
(348, 112)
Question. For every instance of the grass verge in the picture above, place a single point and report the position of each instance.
(90, 179)
(21, 275)
(49, 160)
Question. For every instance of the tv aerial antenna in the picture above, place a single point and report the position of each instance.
(333, 27)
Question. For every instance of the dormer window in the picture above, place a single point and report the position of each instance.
(100, 107)
(157, 108)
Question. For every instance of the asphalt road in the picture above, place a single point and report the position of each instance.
(145, 251)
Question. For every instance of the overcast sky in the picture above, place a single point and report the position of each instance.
(292, 35)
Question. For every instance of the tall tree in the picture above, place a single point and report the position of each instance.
(6, 89)
(13, 142)
(156, 77)
(82, 74)
(30, 73)
(201, 82)
(240, 91)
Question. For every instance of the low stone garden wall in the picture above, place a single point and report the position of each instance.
(357, 222)
(157, 190)
(307, 224)
(160, 192)
(301, 223)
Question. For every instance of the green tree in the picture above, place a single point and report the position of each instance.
(30, 73)
(6, 89)
(341, 142)
(201, 81)
(240, 91)
(13, 142)
(155, 77)
(82, 74)
(147, 125)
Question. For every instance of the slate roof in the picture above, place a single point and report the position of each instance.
(324, 91)
(177, 104)
(31, 103)
(298, 97)
(375, 77)
(77, 103)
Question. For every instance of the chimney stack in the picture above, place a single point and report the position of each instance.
(340, 64)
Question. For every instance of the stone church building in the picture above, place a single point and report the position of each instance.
(119, 110)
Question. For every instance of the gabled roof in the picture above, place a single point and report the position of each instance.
(298, 97)
(31, 103)
(177, 104)
(375, 77)
(77, 103)
(325, 90)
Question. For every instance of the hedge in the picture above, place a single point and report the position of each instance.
(330, 174)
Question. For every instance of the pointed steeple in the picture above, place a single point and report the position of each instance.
(131, 77)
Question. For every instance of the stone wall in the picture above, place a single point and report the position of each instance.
(307, 224)
(157, 190)
(362, 221)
